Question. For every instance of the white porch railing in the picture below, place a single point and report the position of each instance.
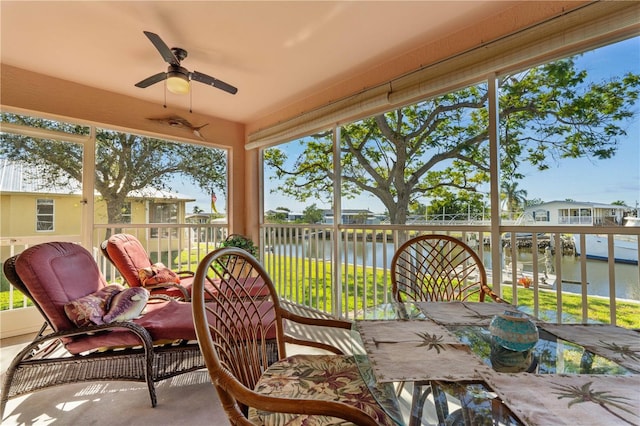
(345, 270)
(179, 246)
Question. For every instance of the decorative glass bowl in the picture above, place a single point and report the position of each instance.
(513, 330)
(508, 361)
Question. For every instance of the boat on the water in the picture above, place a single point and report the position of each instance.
(631, 221)
(625, 247)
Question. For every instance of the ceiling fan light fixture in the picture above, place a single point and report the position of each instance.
(178, 83)
(177, 78)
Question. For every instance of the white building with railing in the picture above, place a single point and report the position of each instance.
(575, 213)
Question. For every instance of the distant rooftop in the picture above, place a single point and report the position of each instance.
(20, 178)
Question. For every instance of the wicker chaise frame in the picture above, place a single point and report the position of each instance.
(44, 362)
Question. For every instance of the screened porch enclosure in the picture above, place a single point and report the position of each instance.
(341, 267)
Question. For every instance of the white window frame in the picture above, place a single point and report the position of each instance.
(162, 232)
(129, 215)
(47, 202)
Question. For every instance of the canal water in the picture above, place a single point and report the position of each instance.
(626, 276)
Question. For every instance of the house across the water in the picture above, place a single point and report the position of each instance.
(575, 213)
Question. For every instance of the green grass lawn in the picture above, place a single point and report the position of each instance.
(309, 283)
(627, 313)
(18, 300)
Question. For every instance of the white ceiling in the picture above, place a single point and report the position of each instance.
(275, 53)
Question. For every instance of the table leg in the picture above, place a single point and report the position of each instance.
(421, 391)
(440, 402)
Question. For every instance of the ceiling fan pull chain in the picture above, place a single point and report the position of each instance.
(165, 95)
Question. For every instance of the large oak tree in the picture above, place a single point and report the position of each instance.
(439, 148)
(124, 162)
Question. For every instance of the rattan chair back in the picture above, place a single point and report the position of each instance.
(438, 268)
(239, 326)
(234, 334)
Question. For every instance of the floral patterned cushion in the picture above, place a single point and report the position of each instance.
(127, 305)
(327, 377)
(91, 308)
(157, 274)
(111, 303)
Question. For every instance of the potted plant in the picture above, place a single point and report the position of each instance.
(240, 241)
(245, 243)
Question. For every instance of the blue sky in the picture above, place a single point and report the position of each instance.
(577, 179)
(590, 180)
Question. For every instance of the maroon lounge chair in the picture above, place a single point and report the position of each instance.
(155, 346)
(128, 255)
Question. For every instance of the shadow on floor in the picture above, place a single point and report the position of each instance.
(188, 399)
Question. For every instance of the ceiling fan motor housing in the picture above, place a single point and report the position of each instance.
(178, 78)
(178, 71)
(179, 53)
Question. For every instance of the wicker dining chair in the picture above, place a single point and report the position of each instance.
(437, 267)
(430, 268)
(155, 346)
(232, 333)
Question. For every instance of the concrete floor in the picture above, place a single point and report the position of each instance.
(189, 399)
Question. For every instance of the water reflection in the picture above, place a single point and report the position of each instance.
(366, 253)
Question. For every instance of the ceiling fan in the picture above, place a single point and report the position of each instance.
(178, 78)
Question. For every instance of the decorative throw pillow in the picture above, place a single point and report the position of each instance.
(157, 274)
(91, 308)
(126, 305)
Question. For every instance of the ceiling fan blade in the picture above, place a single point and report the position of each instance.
(162, 47)
(152, 80)
(203, 78)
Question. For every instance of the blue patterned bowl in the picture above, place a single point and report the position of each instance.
(508, 361)
(514, 331)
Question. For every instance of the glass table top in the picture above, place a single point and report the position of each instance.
(475, 401)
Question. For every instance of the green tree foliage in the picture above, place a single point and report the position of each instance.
(418, 209)
(439, 148)
(124, 162)
(312, 214)
(451, 205)
(280, 215)
(533, 202)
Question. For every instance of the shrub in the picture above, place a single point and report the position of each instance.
(240, 241)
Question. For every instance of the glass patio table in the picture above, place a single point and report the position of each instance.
(576, 373)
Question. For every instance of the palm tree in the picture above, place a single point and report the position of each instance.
(513, 196)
